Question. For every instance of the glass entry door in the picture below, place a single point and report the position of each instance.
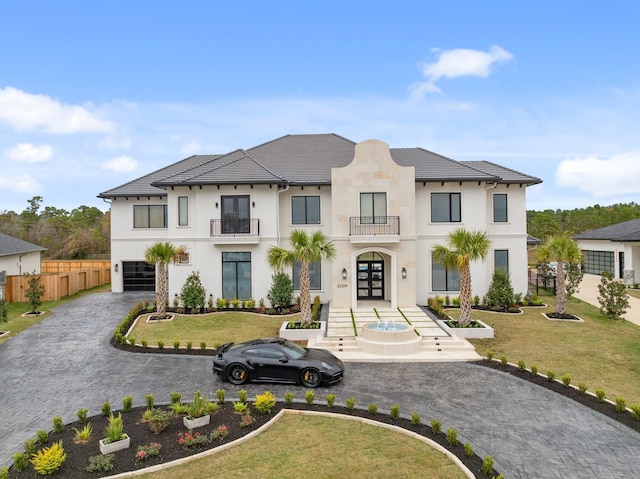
(370, 280)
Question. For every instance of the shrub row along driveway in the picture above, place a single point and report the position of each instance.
(66, 363)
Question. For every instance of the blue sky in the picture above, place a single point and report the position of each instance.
(95, 94)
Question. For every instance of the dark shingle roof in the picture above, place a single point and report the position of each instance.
(625, 231)
(305, 160)
(10, 246)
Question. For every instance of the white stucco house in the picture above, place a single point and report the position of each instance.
(614, 248)
(17, 257)
(383, 208)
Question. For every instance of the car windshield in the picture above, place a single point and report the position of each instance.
(293, 350)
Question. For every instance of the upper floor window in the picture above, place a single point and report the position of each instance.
(500, 208)
(445, 208)
(373, 208)
(183, 210)
(501, 260)
(314, 276)
(150, 216)
(305, 210)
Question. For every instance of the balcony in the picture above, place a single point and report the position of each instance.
(374, 229)
(235, 231)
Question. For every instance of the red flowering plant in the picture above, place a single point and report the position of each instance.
(149, 450)
(190, 439)
(220, 433)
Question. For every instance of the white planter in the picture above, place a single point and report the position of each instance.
(114, 446)
(301, 334)
(468, 333)
(196, 422)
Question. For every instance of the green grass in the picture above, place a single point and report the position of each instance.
(17, 323)
(601, 353)
(214, 329)
(310, 446)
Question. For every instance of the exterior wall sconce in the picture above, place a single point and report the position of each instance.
(344, 273)
(115, 267)
(216, 204)
(253, 203)
(404, 273)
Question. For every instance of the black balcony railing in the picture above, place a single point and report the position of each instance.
(374, 225)
(236, 227)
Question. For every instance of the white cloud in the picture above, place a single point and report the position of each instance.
(120, 164)
(28, 153)
(191, 148)
(19, 183)
(610, 177)
(26, 112)
(457, 63)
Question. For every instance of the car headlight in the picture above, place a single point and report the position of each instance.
(326, 365)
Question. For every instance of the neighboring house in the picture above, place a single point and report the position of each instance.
(17, 257)
(614, 248)
(383, 208)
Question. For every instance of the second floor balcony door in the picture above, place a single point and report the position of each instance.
(235, 214)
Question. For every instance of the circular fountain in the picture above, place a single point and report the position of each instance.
(388, 339)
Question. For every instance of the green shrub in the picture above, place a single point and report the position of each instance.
(265, 402)
(621, 404)
(132, 341)
(49, 459)
(101, 463)
(198, 405)
(522, 365)
(582, 388)
(127, 403)
(487, 465)
(490, 354)
(452, 437)
(82, 414)
(115, 429)
(415, 418)
(83, 435)
(193, 293)
(240, 407)
(309, 396)
(20, 461)
(106, 408)
(500, 293)
(288, 397)
(57, 424)
(160, 344)
(179, 409)
(242, 396)
(4, 472)
(203, 345)
(372, 409)
(331, 398)
(566, 380)
(468, 449)
(436, 426)
(551, 376)
(220, 396)
(394, 411)
(503, 359)
(43, 436)
(613, 299)
(176, 345)
(189, 345)
(34, 292)
(30, 446)
(158, 420)
(149, 399)
(600, 395)
(350, 403)
(144, 343)
(635, 412)
(281, 292)
(534, 370)
(176, 397)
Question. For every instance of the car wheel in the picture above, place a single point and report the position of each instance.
(311, 378)
(237, 374)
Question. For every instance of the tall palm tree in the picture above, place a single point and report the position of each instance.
(563, 250)
(307, 249)
(462, 248)
(161, 254)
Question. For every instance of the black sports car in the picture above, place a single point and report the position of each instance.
(276, 360)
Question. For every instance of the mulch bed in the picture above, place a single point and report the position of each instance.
(587, 399)
(78, 454)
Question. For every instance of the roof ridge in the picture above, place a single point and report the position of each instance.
(502, 167)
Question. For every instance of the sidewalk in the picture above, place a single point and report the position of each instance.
(589, 294)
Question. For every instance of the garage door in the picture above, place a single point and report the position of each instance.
(595, 262)
(138, 276)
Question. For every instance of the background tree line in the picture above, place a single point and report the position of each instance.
(543, 224)
(77, 234)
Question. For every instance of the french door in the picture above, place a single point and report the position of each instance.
(370, 280)
(235, 214)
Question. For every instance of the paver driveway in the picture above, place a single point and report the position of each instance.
(65, 363)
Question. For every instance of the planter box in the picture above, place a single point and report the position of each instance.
(468, 333)
(196, 421)
(114, 446)
(301, 334)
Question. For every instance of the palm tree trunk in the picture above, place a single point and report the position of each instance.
(561, 290)
(161, 294)
(305, 294)
(465, 296)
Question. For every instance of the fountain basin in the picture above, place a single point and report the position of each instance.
(391, 339)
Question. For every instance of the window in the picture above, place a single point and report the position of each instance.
(150, 216)
(305, 210)
(236, 217)
(183, 210)
(445, 207)
(501, 260)
(183, 258)
(500, 208)
(314, 276)
(373, 208)
(444, 279)
(236, 275)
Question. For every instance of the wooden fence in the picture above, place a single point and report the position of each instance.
(60, 280)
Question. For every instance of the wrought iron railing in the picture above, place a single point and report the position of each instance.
(235, 227)
(374, 225)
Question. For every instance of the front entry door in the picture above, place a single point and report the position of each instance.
(370, 280)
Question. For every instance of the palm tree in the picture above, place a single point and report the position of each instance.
(563, 250)
(161, 254)
(462, 248)
(307, 249)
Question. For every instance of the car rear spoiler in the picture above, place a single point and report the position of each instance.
(224, 348)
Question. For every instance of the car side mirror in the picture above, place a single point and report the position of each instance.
(284, 359)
